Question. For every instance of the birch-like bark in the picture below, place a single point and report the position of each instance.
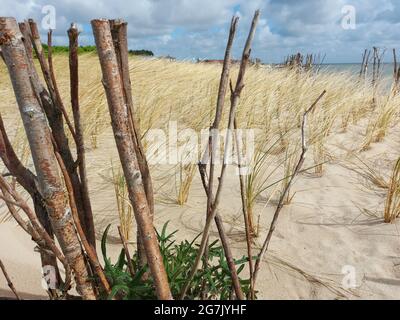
(119, 112)
(120, 37)
(28, 181)
(45, 242)
(40, 142)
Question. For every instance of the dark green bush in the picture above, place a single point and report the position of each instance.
(147, 53)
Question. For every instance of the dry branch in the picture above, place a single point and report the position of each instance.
(211, 211)
(29, 182)
(287, 187)
(39, 137)
(90, 251)
(80, 145)
(211, 150)
(112, 81)
(44, 241)
(120, 38)
(9, 282)
(245, 213)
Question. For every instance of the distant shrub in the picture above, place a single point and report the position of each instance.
(65, 49)
(147, 53)
(87, 49)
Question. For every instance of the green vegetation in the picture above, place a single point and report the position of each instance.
(87, 49)
(142, 52)
(65, 49)
(211, 282)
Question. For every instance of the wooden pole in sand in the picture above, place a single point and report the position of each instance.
(40, 142)
(112, 82)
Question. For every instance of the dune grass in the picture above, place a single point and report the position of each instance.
(392, 203)
(272, 102)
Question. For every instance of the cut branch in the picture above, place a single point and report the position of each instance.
(90, 251)
(287, 188)
(44, 241)
(212, 210)
(120, 39)
(112, 82)
(80, 144)
(40, 142)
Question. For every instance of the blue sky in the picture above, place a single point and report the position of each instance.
(189, 29)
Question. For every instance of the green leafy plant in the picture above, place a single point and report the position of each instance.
(213, 281)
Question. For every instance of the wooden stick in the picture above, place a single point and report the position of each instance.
(363, 62)
(211, 150)
(120, 38)
(287, 187)
(81, 158)
(54, 109)
(91, 252)
(38, 233)
(112, 82)
(245, 213)
(9, 282)
(39, 137)
(55, 86)
(25, 30)
(234, 102)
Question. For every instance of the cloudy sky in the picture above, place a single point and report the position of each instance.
(190, 29)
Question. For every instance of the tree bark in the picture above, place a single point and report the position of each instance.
(40, 142)
(28, 181)
(80, 144)
(119, 35)
(55, 112)
(112, 82)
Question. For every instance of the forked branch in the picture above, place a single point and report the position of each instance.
(297, 170)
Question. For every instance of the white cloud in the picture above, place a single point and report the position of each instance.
(286, 26)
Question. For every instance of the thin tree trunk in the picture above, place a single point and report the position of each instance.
(28, 181)
(210, 151)
(55, 112)
(81, 159)
(119, 34)
(119, 112)
(90, 251)
(44, 241)
(39, 137)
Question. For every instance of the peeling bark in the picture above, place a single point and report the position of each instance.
(40, 142)
(119, 35)
(119, 112)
